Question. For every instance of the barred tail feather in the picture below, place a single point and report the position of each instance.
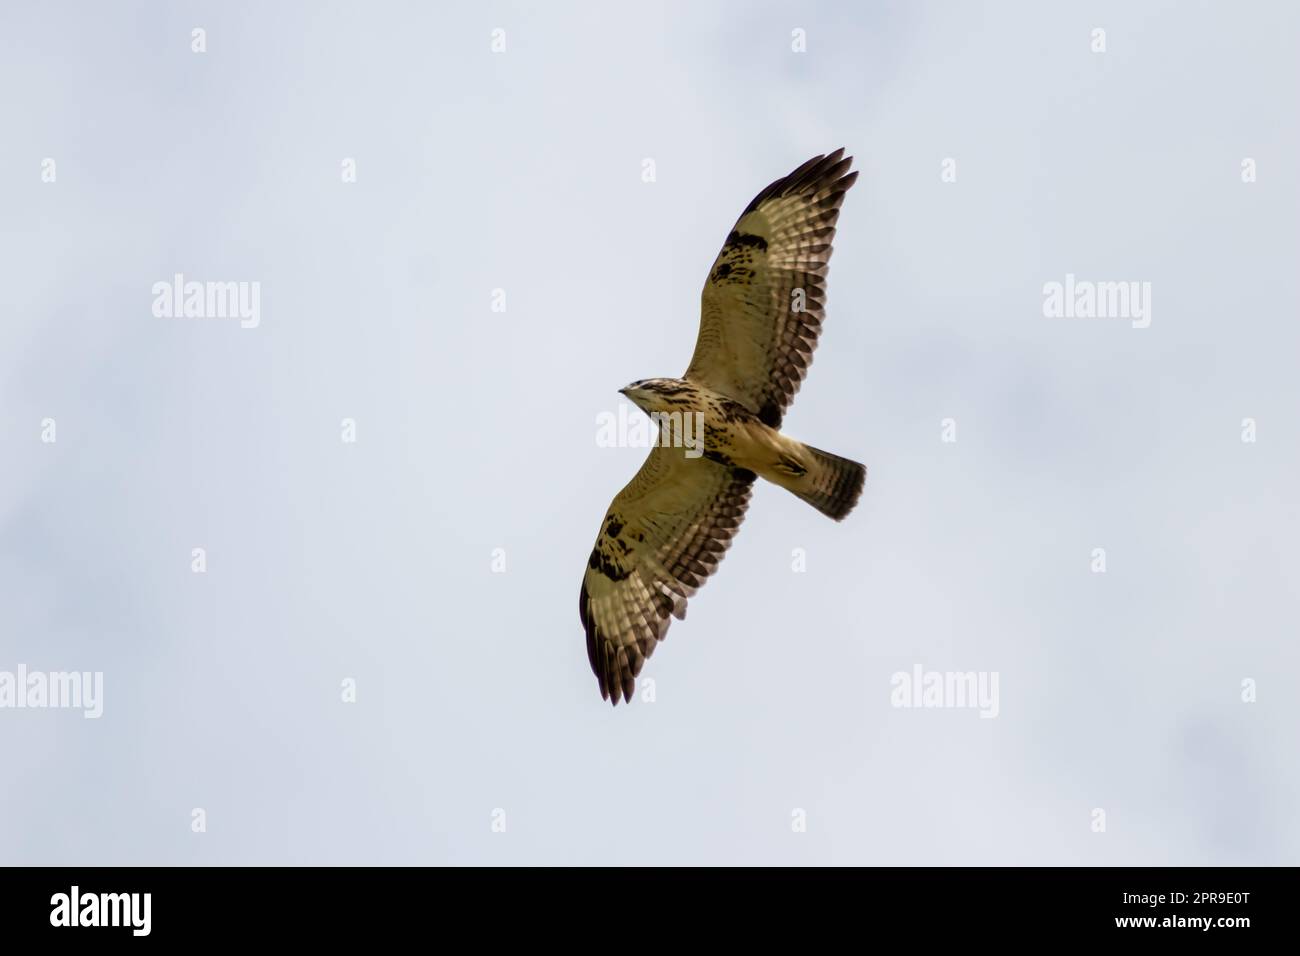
(832, 486)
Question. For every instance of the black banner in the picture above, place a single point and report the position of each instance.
(369, 904)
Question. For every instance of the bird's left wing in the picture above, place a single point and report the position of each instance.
(764, 300)
(663, 535)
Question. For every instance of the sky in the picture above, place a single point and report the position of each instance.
(326, 558)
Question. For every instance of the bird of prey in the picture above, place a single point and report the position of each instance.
(762, 310)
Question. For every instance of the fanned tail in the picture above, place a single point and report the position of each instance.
(832, 486)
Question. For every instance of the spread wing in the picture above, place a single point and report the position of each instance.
(663, 535)
(764, 300)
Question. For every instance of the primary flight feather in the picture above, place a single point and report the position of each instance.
(760, 316)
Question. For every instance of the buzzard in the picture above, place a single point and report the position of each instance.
(760, 316)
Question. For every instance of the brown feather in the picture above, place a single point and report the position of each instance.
(753, 346)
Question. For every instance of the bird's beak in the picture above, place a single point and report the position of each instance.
(622, 391)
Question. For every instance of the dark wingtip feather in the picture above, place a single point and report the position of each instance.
(817, 172)
(597, 652)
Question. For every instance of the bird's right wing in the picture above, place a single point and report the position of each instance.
(663, 535)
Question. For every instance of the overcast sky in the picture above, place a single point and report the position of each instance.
(435, 561)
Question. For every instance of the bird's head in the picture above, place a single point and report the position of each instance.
(650, 394)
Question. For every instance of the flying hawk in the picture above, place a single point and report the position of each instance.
(760, 316)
